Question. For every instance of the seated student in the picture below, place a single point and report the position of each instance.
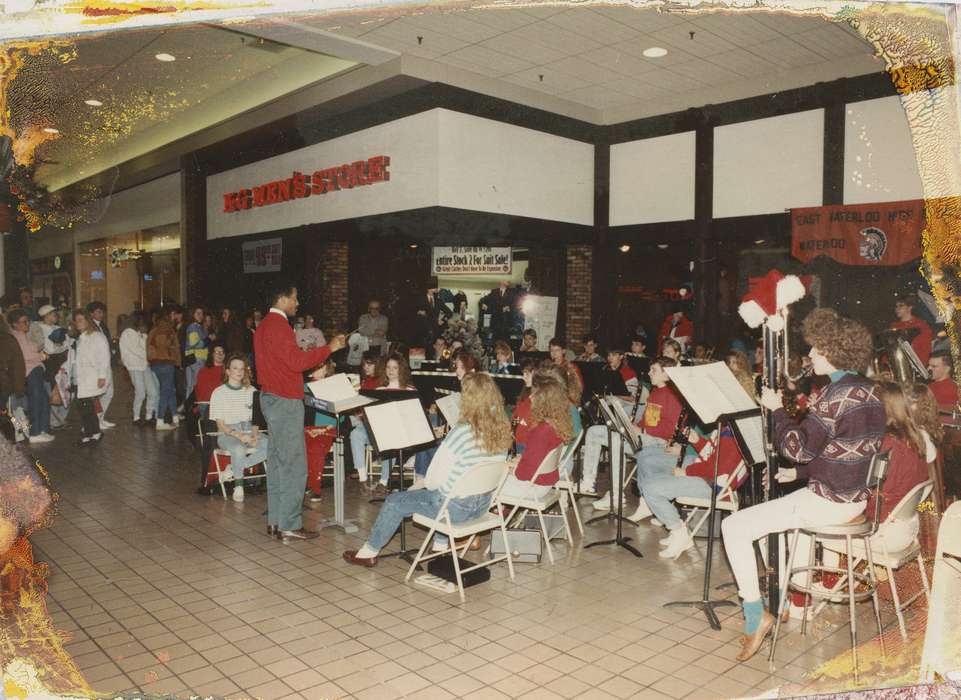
(231, 406)
(520, 416)
(439, 350)
(393, 374)
(529, 341)
(319, 437)
(368, 370)
(482, 435)
(941, 369)
(617, 373)
(656, 424)
(672, 350)
(502, 358)
(590, 353)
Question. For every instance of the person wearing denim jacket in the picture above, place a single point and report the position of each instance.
(482, 435)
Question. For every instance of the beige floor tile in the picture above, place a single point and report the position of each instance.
(273, 690)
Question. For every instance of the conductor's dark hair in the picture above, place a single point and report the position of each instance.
(283, 288)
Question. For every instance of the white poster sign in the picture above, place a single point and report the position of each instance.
(263, 256)
(540, 313)
(471, 260)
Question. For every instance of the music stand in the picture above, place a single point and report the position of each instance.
(705, 603)
(413, 436)
(627, 436)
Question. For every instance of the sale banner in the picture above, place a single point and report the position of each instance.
(883, 234)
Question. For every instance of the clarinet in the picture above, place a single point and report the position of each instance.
(637, 401)
(682, 432)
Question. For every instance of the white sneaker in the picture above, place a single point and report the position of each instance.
(679, 542)
(602, 503)
(106, 425)
(642, 512)
(656, 523)
(163, 425)
(42, 437)
(238, 494)
(585, 490)
(227, 474)
(418, 484)
(176, 420)
(664, 541)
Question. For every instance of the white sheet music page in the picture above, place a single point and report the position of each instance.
(712, 390)
(398, 424)
(450, 408)
(335, 388)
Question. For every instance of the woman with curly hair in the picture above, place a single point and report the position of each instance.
(832, 447)
(482, 435)
(549, 426)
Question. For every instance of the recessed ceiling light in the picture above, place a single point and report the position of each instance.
(166, 57)
(624, 248)
(759, 241)
(93, 103)
(50, 130)
(662, 246)
(655, 52)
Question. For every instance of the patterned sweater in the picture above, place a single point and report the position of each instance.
(835, 442)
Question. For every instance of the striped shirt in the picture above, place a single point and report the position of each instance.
(232, 404)
(457, 454)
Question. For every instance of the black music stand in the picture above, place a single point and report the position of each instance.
(705, 603)
(403, 553)
(613, 425)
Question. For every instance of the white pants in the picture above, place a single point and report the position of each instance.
(803, 508)
(596, 439)
(890, 537)
(107, 396)
(145, 388)
(514, 488)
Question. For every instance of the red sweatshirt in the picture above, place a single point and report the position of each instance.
(729, 459)
(922, 341)
(661, 413)
(522, 417)
(280, 361)
(945, 393)
(541, 439)
(907, 469)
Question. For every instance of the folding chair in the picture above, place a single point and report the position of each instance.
(906, 509)
(564, 484)
(519, 506)
(727, 499)
(485, 478)
(204, 435)
(942, 635)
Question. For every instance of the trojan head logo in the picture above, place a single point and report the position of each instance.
(873, 244)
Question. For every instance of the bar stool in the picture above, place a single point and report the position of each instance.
(861, 528)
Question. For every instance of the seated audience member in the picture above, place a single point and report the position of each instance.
(482, 435)
(590, 353)
(310, 336)
(231, 406)
(656, 424)
(529, 341)
(832, 446)
(942, 385)
(211, 375)
(393, 374)
(38, 398)
(502, 358)
(463, 363)
(550, 427)
(660, 483)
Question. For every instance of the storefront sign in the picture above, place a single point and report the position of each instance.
(859, 234)
(263, 256)
(300, 185)
(471, 260)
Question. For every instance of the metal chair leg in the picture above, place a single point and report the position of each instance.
(804, 617)
(873, 582)
(783, 596)
(852, 583)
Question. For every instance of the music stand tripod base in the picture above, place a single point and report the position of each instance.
(347, 526)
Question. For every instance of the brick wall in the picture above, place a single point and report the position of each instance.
(333, 285)
(579, 274)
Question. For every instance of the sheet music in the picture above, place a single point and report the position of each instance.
(626, 427)
(396, 425)
(450, 408)
(712, 390)
(337, 393)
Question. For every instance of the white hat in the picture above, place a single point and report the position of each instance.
(44, 310)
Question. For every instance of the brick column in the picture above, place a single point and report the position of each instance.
(333, 285)
(580, 259)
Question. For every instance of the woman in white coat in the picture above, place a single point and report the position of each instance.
(133, 354)
(92, 366)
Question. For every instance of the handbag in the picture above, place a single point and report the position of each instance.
(55, 398)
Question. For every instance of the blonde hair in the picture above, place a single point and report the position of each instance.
(923, 409)
(898, 421)
(482, 408)
(738, 363)
(236, 356)
(550, 404)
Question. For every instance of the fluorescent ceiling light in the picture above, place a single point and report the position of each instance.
(655, 52)
(93, 103)
(165, 57)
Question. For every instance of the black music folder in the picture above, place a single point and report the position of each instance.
(510, 386)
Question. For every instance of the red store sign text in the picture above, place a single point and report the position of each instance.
(299, 185)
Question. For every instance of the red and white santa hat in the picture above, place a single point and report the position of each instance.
(767, 297)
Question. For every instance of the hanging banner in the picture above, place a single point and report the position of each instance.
(883, 234)
(263, 256)
(471, 260)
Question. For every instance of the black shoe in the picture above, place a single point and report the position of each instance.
(138, 422)
(271, 531)
(314, 498)
(301, 534)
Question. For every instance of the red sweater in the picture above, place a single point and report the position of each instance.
(728, 460)
(522, 417)
(907, 469)
(541, 439)
(661, 413)
(208, 379)
(280, 361)
(922, 341)
(945, 393)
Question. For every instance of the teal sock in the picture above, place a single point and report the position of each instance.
(753, 609)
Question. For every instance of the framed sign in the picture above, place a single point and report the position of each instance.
(471, 260)
(263, 256)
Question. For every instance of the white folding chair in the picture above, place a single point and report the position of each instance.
(942, 635)
(564, 485)
(219, 454)
(906, 509)
(727, 499)
(485, 478)
(520, 506)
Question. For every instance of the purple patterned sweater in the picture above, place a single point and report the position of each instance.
(835, 442)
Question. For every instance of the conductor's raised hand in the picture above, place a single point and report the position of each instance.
(338, 342)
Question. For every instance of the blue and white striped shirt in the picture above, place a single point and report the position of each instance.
(457, 454)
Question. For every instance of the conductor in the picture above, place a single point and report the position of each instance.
(280, 366)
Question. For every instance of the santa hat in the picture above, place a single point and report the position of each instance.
(767, 296)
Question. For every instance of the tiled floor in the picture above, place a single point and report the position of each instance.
(165, 591)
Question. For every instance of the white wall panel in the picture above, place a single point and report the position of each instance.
(879, 160)
(765, 166)
(490, 166)
(151, 204)
(652, 180)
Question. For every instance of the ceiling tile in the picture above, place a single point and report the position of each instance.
(830, 41)
(636, 48)
(497, 62)
(619, 61)
(675, 82)
(636, 88)
(787, 53)
(704, 72)
(643, 20)
(434, 42)
(554, 81)
(480, 69)
(503, 18)
(515, 45)
(788, 24)
(453, 24)
(592, 24)
(557, 38)
(598, 96)
(703, 44)
(741, 29)
(545, 11)
(746, 63)
(582, 69)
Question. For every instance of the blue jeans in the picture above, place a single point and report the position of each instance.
(38, 402)
(403, 504)
(239, 459)
(659, 491)
(422, 460)
(190, 376)
(166, 378)
(145, 389)
(359, 439)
